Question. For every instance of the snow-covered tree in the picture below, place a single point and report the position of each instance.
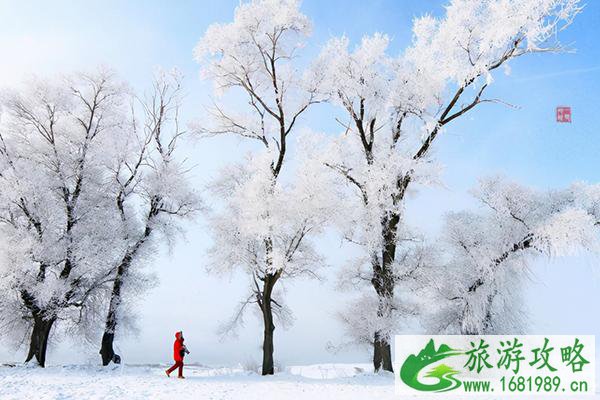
(84, 187)
(56, 214)
(417, 264)
(398, 106)
(266, 223)
(150, 191)
(480, 292)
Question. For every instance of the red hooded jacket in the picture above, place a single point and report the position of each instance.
(178, 347)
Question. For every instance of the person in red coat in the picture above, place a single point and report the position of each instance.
(179, 352)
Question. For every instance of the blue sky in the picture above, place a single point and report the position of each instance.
(523, 143)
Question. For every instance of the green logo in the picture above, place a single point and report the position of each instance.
(413, 365)
(472, 364)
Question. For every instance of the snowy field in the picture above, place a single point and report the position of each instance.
(133, 382)
(149, 382)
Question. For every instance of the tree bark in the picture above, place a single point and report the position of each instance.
(106, 348)
(382, 354)
(39, 339)
(383, 283)
(382, 350)
(269, 326)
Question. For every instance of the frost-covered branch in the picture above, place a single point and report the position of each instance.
(490, 251)
(397, 106)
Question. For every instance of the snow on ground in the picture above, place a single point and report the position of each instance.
(326, 381)
(137, 382)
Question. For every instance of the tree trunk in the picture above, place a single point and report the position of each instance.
(382, 349)
(382, 354)
(39, 339)
(383, 283)
(106, 349)
(269, 327)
